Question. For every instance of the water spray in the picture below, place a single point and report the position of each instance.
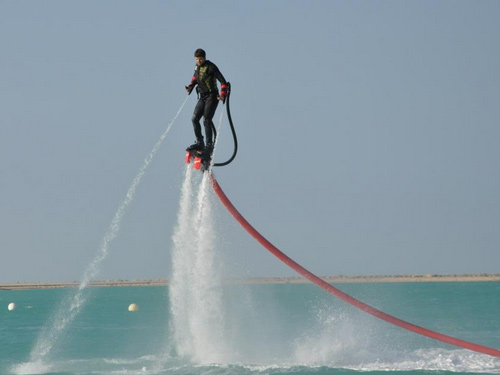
(71, 307)
(196, 286)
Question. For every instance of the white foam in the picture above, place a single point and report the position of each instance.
(436, 359)
(331, 339)
(31, 368)
(337, 340)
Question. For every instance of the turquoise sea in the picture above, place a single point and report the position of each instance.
(264, 329)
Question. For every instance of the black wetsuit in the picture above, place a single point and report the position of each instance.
(206, 77)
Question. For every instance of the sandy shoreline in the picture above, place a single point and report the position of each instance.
(266, 280)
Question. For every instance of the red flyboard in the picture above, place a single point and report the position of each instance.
(197, 163)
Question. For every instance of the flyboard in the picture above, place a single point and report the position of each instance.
(201, 159)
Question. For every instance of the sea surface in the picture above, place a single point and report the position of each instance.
(263, 329)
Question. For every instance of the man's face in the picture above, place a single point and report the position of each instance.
(199, 60)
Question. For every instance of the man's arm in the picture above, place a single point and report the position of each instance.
(223, 83)
(189, 88)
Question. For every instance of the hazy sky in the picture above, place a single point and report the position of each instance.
(369, 134)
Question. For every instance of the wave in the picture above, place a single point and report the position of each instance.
(434, 359)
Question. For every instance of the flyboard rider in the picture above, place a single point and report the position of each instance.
(206, 75)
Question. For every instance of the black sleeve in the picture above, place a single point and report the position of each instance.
(217, 74)
(193, 79)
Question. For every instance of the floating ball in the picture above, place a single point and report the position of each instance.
(133, 307)
(11, 306)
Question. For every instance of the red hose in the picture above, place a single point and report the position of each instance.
(338, 293)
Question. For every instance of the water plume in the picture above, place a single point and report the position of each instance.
(70, 307)
(196, 286)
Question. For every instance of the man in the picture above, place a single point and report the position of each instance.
(206, 75)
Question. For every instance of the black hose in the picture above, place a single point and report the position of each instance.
(235, 139)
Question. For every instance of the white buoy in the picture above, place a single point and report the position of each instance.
(11, 306)
(133, 307)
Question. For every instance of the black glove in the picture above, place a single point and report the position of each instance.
(189, 89)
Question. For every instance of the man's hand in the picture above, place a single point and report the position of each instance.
(189, 89)
(222, 96)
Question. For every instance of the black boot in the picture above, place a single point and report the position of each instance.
(207, 156)
(209, 149)
(199, 145)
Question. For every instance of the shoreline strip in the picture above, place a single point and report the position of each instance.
(265, 280)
